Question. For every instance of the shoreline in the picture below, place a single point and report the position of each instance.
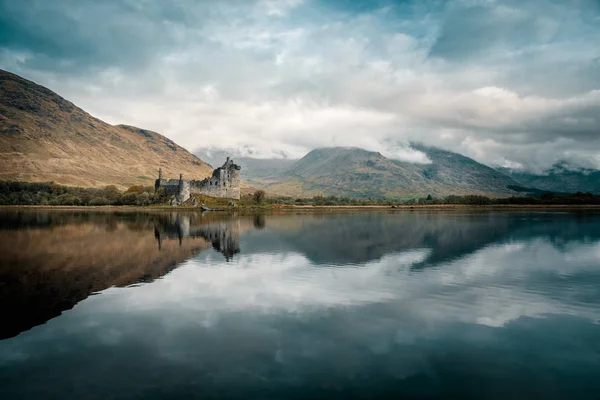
(292, 208)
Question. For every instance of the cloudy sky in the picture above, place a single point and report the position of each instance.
(508, 82)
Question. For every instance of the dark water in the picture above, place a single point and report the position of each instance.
(500, 305)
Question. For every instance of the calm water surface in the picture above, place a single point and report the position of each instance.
(500, 305)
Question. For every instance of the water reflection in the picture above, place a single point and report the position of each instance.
(381, 305)
(53, 260)
(222, 232)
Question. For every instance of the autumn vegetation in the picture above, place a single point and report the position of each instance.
(26, 193)
(51, 194)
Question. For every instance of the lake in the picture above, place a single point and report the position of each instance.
(388, 304)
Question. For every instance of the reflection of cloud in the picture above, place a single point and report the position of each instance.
(279, 317)
(502, 283)
(264, 282)
(493, 286)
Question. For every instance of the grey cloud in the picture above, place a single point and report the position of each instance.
(70, 36)
(484, 28)
(468, 33)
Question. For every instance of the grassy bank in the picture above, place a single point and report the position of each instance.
(308, 209)
(141, 197)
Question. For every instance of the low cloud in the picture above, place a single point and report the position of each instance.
(406, 154)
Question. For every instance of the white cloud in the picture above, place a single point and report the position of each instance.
(407, 154)
(278, 7)
(519, 82)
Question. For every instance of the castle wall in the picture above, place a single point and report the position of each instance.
(184, 191)
(224, 187)
(171, 186)
(224, 183)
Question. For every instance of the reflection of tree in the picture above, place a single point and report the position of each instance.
(259, 221)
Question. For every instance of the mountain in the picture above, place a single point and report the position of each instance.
(355, 172)
(560, 178)
(44, 137)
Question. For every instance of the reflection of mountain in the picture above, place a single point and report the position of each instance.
(57, 259)
(359, 238)
(223, 234)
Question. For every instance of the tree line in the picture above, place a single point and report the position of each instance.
(534, 199)
(49, 193)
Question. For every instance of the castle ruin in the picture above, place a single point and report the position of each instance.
(224, 183)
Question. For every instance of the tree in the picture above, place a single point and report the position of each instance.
(429, 198)
(160, 196)
(143, 199)
(128, 198)
(26, 198)
(139, 189)
(111, 193)
(99, 201)
(259, 196)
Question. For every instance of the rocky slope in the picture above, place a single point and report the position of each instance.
(44, 137)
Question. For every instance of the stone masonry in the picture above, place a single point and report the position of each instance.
(224, 183)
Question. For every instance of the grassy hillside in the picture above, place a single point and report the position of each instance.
(455, 173)
(44, 137)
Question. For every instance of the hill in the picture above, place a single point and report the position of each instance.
(44, 137)
(560, 178)
(355, 172)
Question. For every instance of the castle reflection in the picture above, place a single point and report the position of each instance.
(53, 260)
(222, 232)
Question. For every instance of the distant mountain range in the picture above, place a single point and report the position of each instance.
(560, 178)
(354, 172)
(44, 137)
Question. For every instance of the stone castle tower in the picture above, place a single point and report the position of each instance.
(224, 183)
